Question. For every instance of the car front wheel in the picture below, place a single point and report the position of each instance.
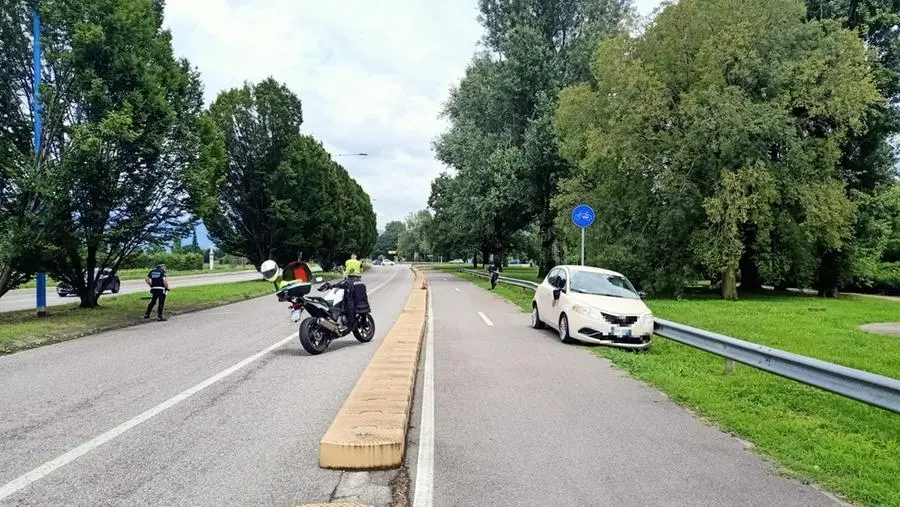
(536, 318)
(564, 335)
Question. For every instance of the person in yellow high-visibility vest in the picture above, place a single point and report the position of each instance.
(353, 267)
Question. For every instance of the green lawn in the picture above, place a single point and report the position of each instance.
(22, 330)
(847, 446)
(139, 274)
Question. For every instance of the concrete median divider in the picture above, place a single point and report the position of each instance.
(369, 431)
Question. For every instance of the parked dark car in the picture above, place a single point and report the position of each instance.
(107, 281)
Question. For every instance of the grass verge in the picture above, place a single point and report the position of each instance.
(848, 447)
(23, 330)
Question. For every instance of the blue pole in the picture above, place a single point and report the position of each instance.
(41, 277)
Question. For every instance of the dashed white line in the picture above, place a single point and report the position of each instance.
(423, 496)
(485, 319)
(456, 289)
(70, 456)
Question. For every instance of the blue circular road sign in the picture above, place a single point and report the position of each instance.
(583, 215)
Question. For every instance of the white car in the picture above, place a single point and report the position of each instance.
(594, 306)
(387, 262)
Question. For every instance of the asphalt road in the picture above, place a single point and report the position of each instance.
(522, 419)
(24, 299)
(250, 437)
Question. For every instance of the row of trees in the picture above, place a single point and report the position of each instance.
(743, 142)
(130, 157)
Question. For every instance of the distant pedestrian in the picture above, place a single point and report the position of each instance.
(159, 285)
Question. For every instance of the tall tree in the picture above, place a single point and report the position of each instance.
(24, 241)
(278, 193)
(120, 130)
(724, 116)
(505, 105)
(869, 161)
(257, 124)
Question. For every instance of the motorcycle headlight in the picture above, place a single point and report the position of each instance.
(586, 311)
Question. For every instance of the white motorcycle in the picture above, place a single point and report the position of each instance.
(328, 320)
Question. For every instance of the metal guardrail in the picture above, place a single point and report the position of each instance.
(525, 284)
(876, 390)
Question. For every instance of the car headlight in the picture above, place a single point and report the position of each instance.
(587, 311)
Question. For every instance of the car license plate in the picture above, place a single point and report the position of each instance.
(295, 315)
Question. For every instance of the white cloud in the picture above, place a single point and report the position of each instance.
(372, 75)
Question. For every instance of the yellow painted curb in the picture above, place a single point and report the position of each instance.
(369, 431)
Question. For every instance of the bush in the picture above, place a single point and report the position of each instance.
(175, 261)
(881, 278)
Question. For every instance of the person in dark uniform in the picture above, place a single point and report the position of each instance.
(159, 285)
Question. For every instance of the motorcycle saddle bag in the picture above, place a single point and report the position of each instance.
(361, 298)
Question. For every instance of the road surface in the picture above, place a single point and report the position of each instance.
(250, 438)
(522, 419)
(25, 299)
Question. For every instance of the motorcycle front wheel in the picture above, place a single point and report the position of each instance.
(313, 337)
(365, 329)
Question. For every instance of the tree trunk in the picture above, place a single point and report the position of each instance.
(89, 296)
(829, 274)
(547, 259)
(5, 274)
(750, 279)
(729, 284)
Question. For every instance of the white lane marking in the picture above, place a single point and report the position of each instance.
(485, 319)
(423, 495)
(49, 467)
(456, 289)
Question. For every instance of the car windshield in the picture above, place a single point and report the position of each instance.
(600, 284)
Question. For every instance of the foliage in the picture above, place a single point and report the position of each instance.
(718, 131)
(415, 242)
(387, 240)
(273, 192)
(121, 127)
(189, 261)
(501, 140)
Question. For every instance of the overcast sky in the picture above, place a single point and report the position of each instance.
(372, 74)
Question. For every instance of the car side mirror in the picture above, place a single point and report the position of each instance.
(319, 279)
(556, 292)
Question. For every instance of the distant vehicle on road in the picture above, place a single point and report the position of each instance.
(376, 262)
(388, 262)
(456, 261)
(105, 281)
(592, 305)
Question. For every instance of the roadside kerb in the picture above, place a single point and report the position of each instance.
(369, 431)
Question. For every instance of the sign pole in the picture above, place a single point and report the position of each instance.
(582, 217)
(36, 48)
(582, 246)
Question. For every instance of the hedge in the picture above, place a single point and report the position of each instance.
(174, 261)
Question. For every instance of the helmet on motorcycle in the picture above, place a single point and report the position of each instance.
(269, 270)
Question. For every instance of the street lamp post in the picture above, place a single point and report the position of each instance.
(36, 28)
(352, 155)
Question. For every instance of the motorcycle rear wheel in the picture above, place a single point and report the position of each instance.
(313, 338)
(365, 329)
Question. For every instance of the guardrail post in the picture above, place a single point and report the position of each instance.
(729, 366)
